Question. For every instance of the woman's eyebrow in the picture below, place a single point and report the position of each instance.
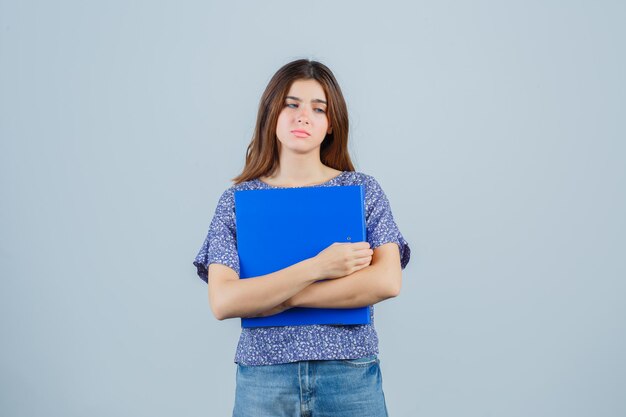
(315, 100)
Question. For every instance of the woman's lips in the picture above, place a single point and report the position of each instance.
(300, 133)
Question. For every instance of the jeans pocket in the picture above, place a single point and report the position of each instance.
(361, 362)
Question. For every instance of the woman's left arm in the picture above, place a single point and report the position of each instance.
(381, 280)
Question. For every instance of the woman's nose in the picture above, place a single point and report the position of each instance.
(303, 115)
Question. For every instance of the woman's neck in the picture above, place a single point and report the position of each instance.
(299, 172)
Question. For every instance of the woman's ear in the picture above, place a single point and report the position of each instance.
(330, 130)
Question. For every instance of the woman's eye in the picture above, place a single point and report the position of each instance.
(295, 106)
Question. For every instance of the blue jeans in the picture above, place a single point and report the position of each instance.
(328, 388)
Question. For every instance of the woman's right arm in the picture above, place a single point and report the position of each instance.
(231, 297)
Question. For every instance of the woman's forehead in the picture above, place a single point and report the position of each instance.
(307, 89)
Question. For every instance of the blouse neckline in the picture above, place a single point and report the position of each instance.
(302, 186)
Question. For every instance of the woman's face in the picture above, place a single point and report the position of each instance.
(303, 123)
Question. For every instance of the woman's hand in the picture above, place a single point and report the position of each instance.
(341, 259)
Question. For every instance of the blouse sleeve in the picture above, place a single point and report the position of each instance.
(380, 224)
(220, 244)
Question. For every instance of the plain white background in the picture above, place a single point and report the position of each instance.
(495, 128)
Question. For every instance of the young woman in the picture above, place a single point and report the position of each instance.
(300, 140)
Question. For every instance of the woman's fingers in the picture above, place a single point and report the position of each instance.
(363, 253)
(364, 258)
(354, 245)
(360, 245)
(342, 258)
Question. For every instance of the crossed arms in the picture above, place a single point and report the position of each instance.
(297, 286)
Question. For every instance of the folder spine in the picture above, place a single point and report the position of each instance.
(362, 198)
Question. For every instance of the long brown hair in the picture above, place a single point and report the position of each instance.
(262, 153)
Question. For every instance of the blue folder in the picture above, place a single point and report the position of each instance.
(279, 227)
